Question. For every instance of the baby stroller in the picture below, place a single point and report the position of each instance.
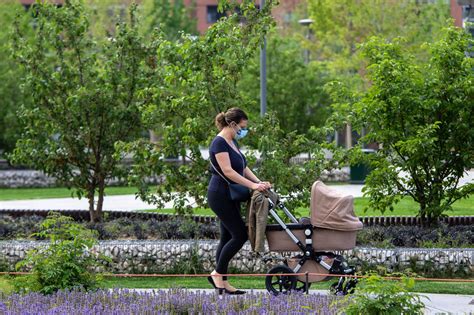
(332, 226)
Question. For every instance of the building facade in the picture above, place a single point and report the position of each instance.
(206, 12)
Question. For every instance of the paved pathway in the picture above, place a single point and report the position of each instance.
(129, 202)
(434, 303)
(123, 202)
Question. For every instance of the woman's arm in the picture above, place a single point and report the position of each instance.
(224, 163)
(250, 175)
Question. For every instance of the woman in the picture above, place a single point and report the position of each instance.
(227, 161)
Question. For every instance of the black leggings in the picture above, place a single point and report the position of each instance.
(233, 230)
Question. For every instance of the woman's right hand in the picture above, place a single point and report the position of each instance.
(259, 186)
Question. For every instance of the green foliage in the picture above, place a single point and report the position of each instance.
(85, 92)
(441, 236)
(376, 296)
(279, 153)
(11, 96)
(193, 264)
(294, 88)
(63, 264)
(339, 26)
(422, 115)
(171, 17)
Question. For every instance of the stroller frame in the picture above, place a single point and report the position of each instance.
(288, 283)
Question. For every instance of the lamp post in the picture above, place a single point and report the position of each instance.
(307, 23)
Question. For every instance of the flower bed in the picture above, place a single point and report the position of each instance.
(175, 301)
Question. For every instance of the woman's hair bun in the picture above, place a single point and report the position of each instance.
(220, 121)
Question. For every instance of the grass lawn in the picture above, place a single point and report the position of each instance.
(405, 207)
(259, 283)
(249, 283)
(46, 193)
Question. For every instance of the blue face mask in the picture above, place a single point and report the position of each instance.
(241, 133)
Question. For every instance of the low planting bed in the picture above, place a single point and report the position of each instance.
(130, 228)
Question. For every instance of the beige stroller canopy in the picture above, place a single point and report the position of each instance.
(333, 210)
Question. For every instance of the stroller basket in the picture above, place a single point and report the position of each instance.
(323, 239)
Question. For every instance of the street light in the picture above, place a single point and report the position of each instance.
(307, 23)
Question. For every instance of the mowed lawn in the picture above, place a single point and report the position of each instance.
(247, 283)
(406, 207)
(47, 193)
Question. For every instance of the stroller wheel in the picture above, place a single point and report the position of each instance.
(277, 283)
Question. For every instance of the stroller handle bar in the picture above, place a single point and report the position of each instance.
(281, 206)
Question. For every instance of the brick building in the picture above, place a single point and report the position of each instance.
(207, 14)
(206, 11)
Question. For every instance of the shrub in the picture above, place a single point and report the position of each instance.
(178, 228)
(139, 232)
(376, 296)
(65, 262)
(21, 227)
(192, 265)
(103, 233)
(120, 228)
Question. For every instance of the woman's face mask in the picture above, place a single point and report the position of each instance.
(241, 133)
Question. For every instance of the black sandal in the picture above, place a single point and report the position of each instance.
(211, 281)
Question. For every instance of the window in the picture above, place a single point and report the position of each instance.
(213, 15)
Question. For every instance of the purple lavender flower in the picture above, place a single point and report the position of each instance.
(175, 301)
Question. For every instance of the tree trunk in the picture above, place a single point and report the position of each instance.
(100, 202)
(90, 196)
(153, 137)
(348, 136)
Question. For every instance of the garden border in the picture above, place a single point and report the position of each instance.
(78, 214)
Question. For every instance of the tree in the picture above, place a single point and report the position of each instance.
(295, 89)
(10, 94)
(422, 115)
(85, 95)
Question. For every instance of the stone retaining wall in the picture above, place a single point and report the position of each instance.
(38, 179)
(164, 255)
